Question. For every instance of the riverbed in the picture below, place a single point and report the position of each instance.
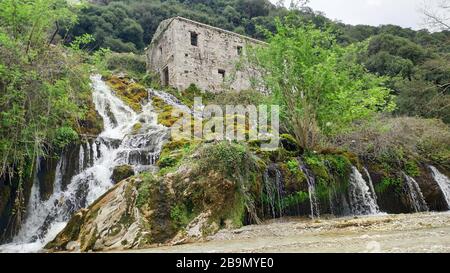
(411, 233)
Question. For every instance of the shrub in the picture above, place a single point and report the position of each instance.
(64, 136)
(397, 140)
(130, 63)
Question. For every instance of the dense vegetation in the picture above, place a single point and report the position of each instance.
(417, 62)
(44, 90)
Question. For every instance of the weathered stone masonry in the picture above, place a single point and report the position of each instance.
(183, 52)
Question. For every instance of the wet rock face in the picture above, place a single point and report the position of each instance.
(122, 172)
(5, 192)
(46, 176)
(390, 196)
(431, 191)
(145, 210)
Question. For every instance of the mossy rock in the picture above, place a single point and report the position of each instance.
(91, 123)
(294, 178)
(317, 166)
(289, 143)
(130, 92)
(122, 172)
(136, 128)
(168, 161)
(70, 232)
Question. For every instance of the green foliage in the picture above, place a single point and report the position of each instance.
(234, 160)
(145, 188)
(339, 164)
(64, 136)
(412, 169)
(394, 141)
(133, 65)
(168, 161)
(389, 183)
(179, 216)
(43, 86)
(319, 89)
(293, 165)
(295, 199)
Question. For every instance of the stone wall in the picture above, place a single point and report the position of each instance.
(211, 64)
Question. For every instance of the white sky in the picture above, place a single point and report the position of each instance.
(405, 13)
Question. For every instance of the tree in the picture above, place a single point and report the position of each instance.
(42, 91)
(438, 18)
(318, 85)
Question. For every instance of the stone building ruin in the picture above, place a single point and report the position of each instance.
(185, 52)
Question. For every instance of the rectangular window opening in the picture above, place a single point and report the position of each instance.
(222, 73)
(194, 39)
(239, 50)
(165, 77)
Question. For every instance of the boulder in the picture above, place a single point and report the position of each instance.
(122, 172)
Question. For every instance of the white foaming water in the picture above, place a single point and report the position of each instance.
(414, 194)
(173, 101)
(443, 183)
(81, 159)
(372, 188)
(116, 145)
(313, 201)
(362, 201)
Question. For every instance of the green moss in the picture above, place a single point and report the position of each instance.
(412, 168)
(136, 128)
(145, 189)
(122, 172)
(168, 161)
(133, 94)
(386, 183)
(339, 164)
(70, 233)
(172, 154)
(295, 199)
(289, 143)
(322, 189)
(316, 165)
(180, 216)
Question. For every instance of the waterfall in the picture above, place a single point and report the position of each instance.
(443, 183)
(370, 182)
(362, 201)
(414, 194)
(81, 159)
(273, 188)
(311, 180)
(114, 146)
(173, 101)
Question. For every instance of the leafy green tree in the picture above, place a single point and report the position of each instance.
(43, 89)
(320, 88)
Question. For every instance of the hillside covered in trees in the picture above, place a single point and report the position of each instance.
(417, 62)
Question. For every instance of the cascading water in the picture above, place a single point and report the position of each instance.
(443, 183)
(311, 180)
(414, 194)
(361, 199)
(273, 189)
(370, 182)
(116, 145)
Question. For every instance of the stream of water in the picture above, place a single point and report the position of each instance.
(116, 145)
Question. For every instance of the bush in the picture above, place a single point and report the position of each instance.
(130, 63)
(397, 140)
(64, 136)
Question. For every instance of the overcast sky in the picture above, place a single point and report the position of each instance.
(405, 13)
